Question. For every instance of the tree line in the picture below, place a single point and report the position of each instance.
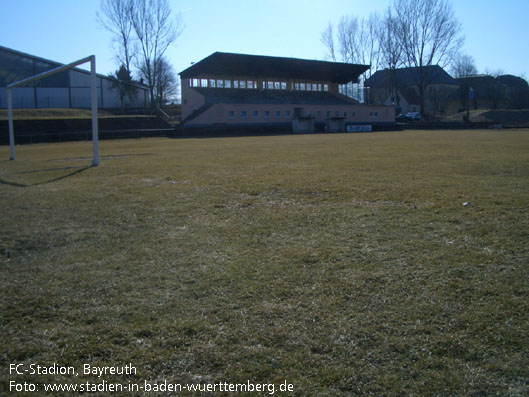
(409, 34)
(142, 31)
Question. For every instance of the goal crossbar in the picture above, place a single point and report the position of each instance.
(93, 99)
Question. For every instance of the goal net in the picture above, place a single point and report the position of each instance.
(93, 99)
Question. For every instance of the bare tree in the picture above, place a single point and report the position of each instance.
(494, 72)
(438, 99)
(429, 34)
(327, 38)
(390, 51)
(463, 67)
(155, 30)
(391, 56)
(368, 42)
(166, 82)
(357, 41)
(114, 16)
(347, 31)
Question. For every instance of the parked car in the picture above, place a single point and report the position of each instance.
(415, 116)
(403, 118)
(410, 116)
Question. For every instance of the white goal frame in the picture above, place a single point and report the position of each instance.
(93, 98)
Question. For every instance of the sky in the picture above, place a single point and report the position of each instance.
(496, 32)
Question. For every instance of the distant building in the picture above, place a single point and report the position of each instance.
(502, 92)
(400, 88)
(248, 90)
(68, 89)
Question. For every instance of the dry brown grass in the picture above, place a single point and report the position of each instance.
(345, 264)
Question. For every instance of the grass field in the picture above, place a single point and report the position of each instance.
(344, 264)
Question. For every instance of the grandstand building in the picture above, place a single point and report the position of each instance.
(68, 89)
(227, 89)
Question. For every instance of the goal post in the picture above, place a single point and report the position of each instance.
(93, 99)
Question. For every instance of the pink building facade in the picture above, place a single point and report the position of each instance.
(247, 90)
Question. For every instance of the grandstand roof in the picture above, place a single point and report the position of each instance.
(257, 66)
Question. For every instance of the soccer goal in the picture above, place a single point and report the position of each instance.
(93, 98)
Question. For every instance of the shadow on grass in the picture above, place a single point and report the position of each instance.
(107, 157)
(78, 170)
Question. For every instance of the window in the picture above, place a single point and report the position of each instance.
(337, 114)
(196, 83)
(249, 84)
(308, 86)
(270, 85)
(242, 84)
(220, 83)
(325, 87)
(283, 85)
(212, 83)
(314, 87)
(185, 101)
(204, 82)
(344, 114)
(277, 85)
(278, 114)
(353, 114)
(56, 80)
(227, 83)
(373, 114)
(235, 83)
(328, 114)
(302, 86)
(296, 86)
(287, 113)
(255, 114)
(319, 87)
(231, 114)
(243, 114)
(267, 114)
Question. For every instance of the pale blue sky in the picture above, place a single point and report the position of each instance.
(497, 32)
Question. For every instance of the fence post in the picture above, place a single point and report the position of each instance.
(10, 118)
(93, 97)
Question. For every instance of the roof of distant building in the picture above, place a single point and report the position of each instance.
(513, 81)
(223, 64)
(44, 65)
(410, 95)
(434, 74)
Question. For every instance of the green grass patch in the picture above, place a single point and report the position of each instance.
(345, 264)
(58, 114)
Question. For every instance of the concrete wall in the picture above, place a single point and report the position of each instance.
(244, 114)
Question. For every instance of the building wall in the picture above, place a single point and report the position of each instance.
(66, 89)
(244, 114)
(382, 96)
(191, 99)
